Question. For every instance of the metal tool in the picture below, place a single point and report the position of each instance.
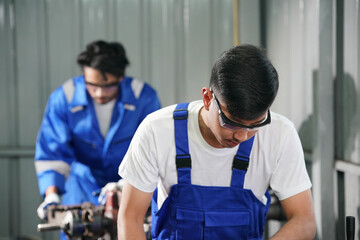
(87, 221)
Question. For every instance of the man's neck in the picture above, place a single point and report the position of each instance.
(205, 130)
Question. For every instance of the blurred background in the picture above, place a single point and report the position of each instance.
(172, 44)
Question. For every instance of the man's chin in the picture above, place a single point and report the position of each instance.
(231, 144)
(102, 100)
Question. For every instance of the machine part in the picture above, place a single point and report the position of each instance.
(84, 221)
(87, 221)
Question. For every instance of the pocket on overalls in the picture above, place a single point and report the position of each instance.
(227, 225)
(190, 224)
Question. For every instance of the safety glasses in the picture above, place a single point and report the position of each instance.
(105, 87)
(227, 123)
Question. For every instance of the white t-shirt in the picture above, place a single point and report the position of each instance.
(276, 157)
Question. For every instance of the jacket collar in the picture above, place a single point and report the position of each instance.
(80, 94)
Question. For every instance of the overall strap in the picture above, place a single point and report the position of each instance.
(241, 163)
(183, 159)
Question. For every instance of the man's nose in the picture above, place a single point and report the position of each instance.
(99, 92)
(241, 134)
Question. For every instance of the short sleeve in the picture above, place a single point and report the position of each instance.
(290, 176)
(139, 166)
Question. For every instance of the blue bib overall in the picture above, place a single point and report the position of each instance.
(208, 212)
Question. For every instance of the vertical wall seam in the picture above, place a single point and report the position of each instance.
(236, 31)
(149, 42)
(263, 23)
(186, 31)
(14, 68)
(81, 27)
(178, 9)
(143, 39)
(46, 55)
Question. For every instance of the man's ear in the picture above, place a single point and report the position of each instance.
(206, 96)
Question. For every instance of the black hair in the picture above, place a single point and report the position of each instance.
(105, 57)
(244, 79)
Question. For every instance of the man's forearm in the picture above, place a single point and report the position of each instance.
(128, 230)
(297, 229)
(133, 206)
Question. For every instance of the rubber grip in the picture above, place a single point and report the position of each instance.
(350, 228)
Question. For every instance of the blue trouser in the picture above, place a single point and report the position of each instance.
(206, 212)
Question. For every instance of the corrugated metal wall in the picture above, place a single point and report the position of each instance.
(292, 41)
(348, 109)
(315, 47)
(172, 45)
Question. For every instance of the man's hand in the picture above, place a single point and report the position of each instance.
(50, 199)
(111, 186)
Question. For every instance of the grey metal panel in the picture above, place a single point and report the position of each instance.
(324, 151)
(7, 77)
(197, 48)
(63, 42)
(165, 47)
(97, 20)
(349, 111)
(146, 13)
(130, 34)
(203, 47)
(179, 49)
(19, 199)
(249, 18)
(13, 191)
(163, 50)
(5, 199)
(300, 43)
(292, 44)
(8, 131)
(221, 35)
(29, 196)
(350, 83)
(30, 67)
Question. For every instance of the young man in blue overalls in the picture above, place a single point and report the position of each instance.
(206, 165)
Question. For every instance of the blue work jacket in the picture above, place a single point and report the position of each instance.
(71, 152)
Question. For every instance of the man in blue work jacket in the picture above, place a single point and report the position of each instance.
(206, 166)
(87, 127)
